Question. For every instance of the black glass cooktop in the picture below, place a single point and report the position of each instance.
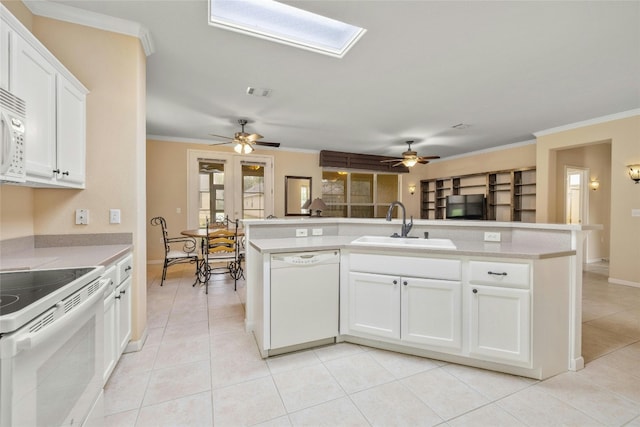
(19, 289)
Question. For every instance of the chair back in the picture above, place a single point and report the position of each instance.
(165, 236)
(220, 241)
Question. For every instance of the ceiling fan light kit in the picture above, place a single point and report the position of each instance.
(410, 158)
(245, 142)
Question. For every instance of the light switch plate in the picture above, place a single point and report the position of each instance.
(316, 231)
(301, 232)
(635, 212)
(114, 216)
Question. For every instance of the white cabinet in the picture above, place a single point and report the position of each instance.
(110, 338)
(432, 312)
(71, 133)
(35, 83)
(374, 304)
(418, 310)
(500, 312)
(117, 313)
(123, 303)
(500, 323)
(56, 107)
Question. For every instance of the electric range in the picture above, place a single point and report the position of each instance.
(26, 294)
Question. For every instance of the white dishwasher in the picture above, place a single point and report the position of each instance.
(304, 297)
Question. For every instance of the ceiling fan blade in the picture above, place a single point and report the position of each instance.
(423, 161)
(254, 137)
(391, 160)
(267, 144)
(396, 164)
(220, 136)
(429, 157)
(221, 143)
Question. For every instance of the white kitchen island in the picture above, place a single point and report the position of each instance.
(512, 306)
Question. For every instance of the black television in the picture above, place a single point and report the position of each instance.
(468, 206)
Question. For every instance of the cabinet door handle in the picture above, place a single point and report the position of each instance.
(65, 173)
(395, 282)
(56, 171)
(475, 291)
(497, 274)
(123, 292)
(117, 296)
(128, 268)
(404, 283)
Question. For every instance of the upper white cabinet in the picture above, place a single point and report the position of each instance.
(56, 107)
(35, 83)
(71, 133)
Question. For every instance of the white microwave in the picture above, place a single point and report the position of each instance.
(12, 134)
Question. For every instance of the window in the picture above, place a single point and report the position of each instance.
(253, 197)
(211, 192)
(358, 194)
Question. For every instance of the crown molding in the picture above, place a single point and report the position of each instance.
(485, 150)
(87, 18)
(590, 122)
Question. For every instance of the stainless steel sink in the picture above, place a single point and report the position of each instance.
(403, 242)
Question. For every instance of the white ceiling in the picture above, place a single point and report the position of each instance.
(507, 69)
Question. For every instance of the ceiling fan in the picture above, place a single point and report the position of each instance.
(245, 141)
(410, 158)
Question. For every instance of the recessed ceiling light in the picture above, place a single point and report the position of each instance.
(285, 24)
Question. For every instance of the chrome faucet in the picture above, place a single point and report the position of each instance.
(405, 227)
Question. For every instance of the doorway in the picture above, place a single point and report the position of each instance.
(576, 195)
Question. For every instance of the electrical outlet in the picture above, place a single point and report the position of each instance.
(114, 216)
(635, 212)
(316, 231)
(82, 216)
(301, 232)
(491, 236)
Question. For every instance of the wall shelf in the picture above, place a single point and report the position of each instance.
(510, 194)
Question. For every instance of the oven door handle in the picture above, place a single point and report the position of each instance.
(33, 339)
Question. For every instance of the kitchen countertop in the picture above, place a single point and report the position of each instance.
(463, 247)
(63, 257)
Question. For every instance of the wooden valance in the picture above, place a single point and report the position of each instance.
(338, 159)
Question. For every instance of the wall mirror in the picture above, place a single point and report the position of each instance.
(297, 191)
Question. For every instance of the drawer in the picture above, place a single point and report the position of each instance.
(428, 268)
(125, 268)
(499, 273)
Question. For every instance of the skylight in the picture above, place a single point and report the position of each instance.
(285, 24)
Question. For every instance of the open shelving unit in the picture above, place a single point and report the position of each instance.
(510, 194)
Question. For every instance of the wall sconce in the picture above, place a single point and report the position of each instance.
(594, 184)
(634, 173)
(412, 189)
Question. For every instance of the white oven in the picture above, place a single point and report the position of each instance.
(51, 368)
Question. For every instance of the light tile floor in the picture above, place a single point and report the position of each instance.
(199, 368)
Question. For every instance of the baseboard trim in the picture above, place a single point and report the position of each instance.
(624, 282)
(138, 344)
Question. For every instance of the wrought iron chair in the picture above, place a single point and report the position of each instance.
(222, 248)
(186, 254)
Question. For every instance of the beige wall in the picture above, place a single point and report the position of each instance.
(597, 158)
(167, 183)
(624, 136)
(112, 67)
(511, 157)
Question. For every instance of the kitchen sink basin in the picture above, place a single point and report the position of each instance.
(404, 242)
